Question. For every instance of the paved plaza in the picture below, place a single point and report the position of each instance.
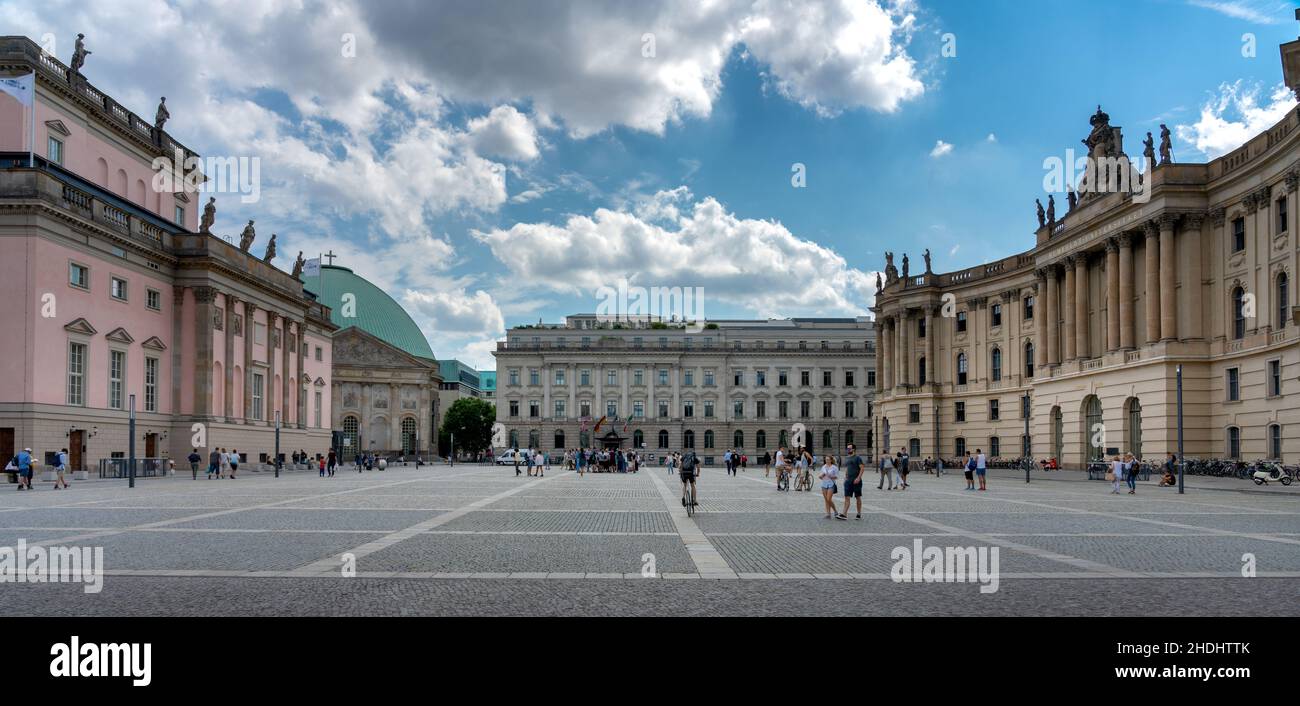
(477, 540)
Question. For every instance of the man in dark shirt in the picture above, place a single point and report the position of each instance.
(852, 480)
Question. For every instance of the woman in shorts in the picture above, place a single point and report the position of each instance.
(828, 475)
(970, 471)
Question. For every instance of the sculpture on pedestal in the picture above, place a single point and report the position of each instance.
(1042, 220)
(79, 54)
(162, 115)
(209, 216)
(905, 266)
(1166, 145)
(926, 255)
(246, 238)
(297, 265)
(270, 249)
(1051, 211)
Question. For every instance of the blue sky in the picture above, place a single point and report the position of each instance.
(492, 164)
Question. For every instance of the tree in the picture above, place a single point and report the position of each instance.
(471, 420)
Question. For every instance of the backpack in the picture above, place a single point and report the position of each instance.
(688, 463)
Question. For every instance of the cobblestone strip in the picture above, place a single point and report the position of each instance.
(1098, 570)
(1163, 523)
(330, 564)
(708, 561)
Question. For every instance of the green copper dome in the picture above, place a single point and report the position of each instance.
(376, 312)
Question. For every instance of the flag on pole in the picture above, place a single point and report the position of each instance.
(311, 268)
(597, 429)
(21, 87)
(625, 422)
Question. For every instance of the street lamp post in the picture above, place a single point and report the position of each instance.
(130, 469)
(1181, 461)
(277, 444)
(1024, 445)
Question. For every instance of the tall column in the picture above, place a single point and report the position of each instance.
(1168, 288)
(624, 405)
(1153, 282)
(250, 310)
(395, 416)
(1081, 305)
(905, 348)
(1053, 317)
(178, 317)
(306, 386)
(651, 412)
(1127, 333)
(1112, 295)
(675, 373)
(1068, 334)
(1190, 300)
(268, 397)
(931, 363)
(228, 384)
(286, 377)
(203, 315)
(1043, 313)
(367, 414)
(572, 383)
(336, 406)
(546, 391)
(884, 355)
(599, 411)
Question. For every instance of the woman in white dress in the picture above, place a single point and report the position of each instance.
(1117, 471)
(829, 474)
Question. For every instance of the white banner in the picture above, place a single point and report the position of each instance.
(22, 88)
(311, 268)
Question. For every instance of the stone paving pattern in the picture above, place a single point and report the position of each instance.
(477, 540)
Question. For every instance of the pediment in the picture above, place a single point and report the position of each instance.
(58, 127)
(355, 347)
(80, 325)
(320, 382)
(154, 343)
(120, 335)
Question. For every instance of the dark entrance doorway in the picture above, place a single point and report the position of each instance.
(76, 442)
(7, 446)
(611, 441)
(151, 446)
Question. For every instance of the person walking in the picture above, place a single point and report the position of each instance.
(321, 463)
(1131, 473)
(24, 462)
(981, 468)
(225, 464)
(852, 480)
(829, 473)
(767, 463)
(886, 471)
(904, 468)
(60, 467)
(540, 462)
(970, 471)
(214, 462)
(332, 461)
(579, 463)
(194, 458)
(234, 463)
(1116, 474)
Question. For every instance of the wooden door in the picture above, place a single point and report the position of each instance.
(76, 442)
(6, 445)
(151, 446)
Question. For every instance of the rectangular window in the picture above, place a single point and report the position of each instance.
(848, 378)
(827, 412)
(760, 409)
(913, 414)
(54, 151)
(827, 378)
(959, 411)
(995, 446)
(559, 376)
(638, 377)
(1281, 215)
(116, 371)
(688, 409)
(584, 377)
(663, 376)
(783, 409)
(994, 412)
(533, 378)
(663, 409)
(848, 409)
(997, 315)
(1275, 441)
(738, 409)
(78, 276)
(611, 409)
(708, 409)
(318, 409)
(708, 378)
(638, 409)
(1238, 234)
(117, 288)
(151, 384)
(920, 327)
(804, 378)
(559, 409)
(153, 299)
(961, 322)
(1029, 307)
(1234, 384)
(782, 379)
(1274, 378)
(513, 378)
(871, 378)
(514, 408)
(534, 409)
(77, 374)
(257, 396)
(805, 409)
(611, 377)
(584, 408)
(760, 378)
(738, 378)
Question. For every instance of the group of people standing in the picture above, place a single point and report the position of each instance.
(603, 460)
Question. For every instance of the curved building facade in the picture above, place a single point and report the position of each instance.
(1083, 335)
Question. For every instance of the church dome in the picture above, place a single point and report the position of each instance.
(376, 313)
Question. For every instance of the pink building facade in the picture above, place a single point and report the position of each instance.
(108, 291)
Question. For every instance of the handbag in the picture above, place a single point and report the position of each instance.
(1110, 476)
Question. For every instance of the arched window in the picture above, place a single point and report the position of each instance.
(738, 440)
(996, 358)
(848, 437)
(638, 439)
(920, 370)
(351, 428)
(1238, 313)
(1275, 441)
(708, 438)
(995, 446)
(688, 439)
(409, 442)
(1283, 289)
(1133, 437)
(960, 446)
(1029, 359)
(663, 438)
(760, 439)
(1234, 442)
(914, 447)
(784, 439)
(961, 368)
(559, 439)
(534, 439)
(1093, 429)
(828, 444)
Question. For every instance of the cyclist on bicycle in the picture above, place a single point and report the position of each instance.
(689, 470)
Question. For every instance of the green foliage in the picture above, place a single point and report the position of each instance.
(471, 420)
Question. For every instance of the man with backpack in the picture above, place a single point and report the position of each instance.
(24, 463)
(690, 468)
